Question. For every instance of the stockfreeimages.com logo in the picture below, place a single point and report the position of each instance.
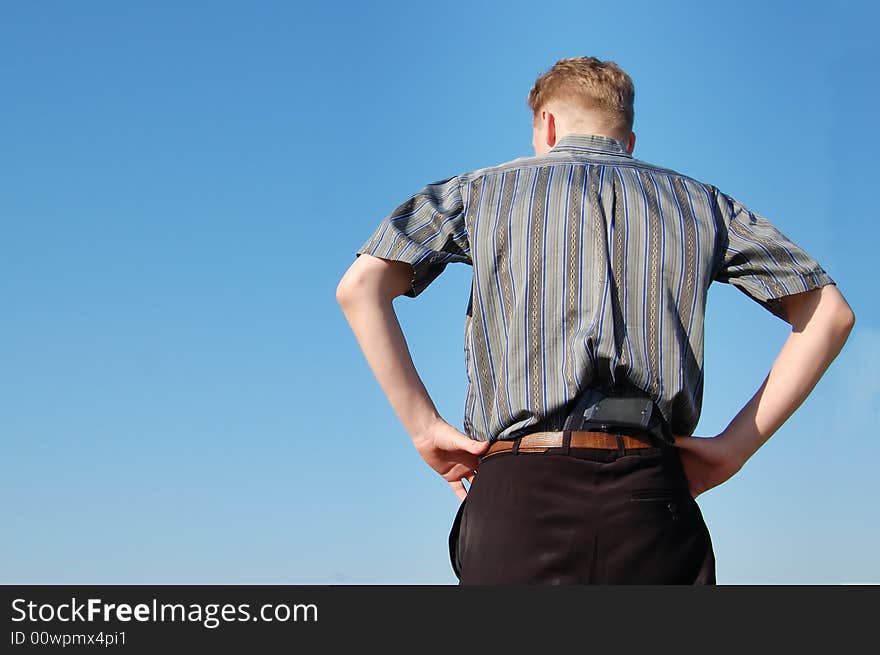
(210, 615)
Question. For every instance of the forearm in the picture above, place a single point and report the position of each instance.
(374, 322)
(803, 359)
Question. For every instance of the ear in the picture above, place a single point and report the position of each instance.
(551, 129)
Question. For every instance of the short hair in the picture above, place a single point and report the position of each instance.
(590, 84)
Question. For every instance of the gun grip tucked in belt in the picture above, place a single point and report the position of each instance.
(622, 412)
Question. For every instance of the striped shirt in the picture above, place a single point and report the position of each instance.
(589, 267)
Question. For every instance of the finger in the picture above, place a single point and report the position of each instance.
(470, 478)
(458, 489)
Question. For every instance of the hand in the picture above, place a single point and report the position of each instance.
(453, 454)
(707, 461)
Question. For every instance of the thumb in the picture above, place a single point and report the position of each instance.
(472, 445)
(683, 442)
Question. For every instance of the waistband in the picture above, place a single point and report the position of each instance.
(562, 442)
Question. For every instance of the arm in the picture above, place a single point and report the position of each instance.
(821, 321)
(365, 295)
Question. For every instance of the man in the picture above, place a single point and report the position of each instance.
(584, 344)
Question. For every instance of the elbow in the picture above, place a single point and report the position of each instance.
(353, 286)
(841, 319)
(372, 280)
(350, 285)
(825, 307)
(344, 293)
(847, 319)
(843, 314)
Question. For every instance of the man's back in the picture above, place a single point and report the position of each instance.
(591, 270)
(589, 266)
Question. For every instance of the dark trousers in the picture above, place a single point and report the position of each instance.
(593, 516)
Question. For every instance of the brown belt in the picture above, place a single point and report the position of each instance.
(539, 442)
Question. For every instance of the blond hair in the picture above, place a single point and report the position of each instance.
(589, 84)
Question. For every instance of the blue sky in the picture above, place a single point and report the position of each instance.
(184, 184)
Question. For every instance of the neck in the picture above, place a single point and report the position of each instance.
(592, 129)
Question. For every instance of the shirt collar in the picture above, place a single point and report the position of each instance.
(592, 143)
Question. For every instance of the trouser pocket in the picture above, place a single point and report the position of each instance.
(675, 500)
(454, 532)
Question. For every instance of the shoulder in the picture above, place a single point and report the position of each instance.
(511, 164)
(672, 173)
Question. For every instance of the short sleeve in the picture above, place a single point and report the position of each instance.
(761, 261)
(428, 231)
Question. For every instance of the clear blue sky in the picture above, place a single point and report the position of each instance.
(182, 185)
